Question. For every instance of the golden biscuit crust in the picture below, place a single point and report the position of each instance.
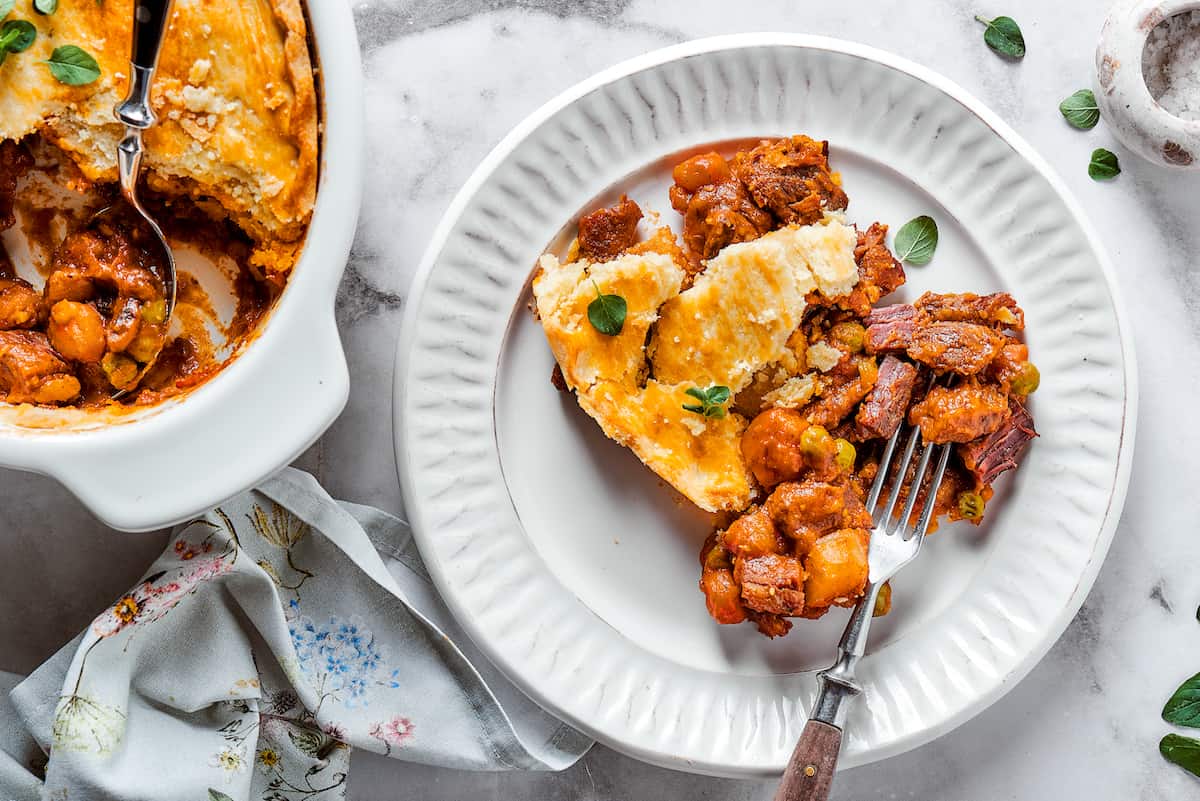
(235, 97)
(736, 319)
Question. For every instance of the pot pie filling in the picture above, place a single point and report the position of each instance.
(772, 302)
(229, 172)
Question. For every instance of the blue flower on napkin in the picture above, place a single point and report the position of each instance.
(341, 656)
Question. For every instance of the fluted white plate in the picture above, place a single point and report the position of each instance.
(575, 569)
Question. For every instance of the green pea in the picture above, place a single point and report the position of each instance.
(851, 336)
(1026, 380)
(971, 505)
(816, 445)
(121, 370)
(845, 455)
(883, 601)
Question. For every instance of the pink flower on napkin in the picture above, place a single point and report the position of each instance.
(148, 601)
(392, 732)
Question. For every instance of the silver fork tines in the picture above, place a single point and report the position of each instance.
(895, 540)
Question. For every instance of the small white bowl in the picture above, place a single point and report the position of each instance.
(1125, 103)
(143, 469)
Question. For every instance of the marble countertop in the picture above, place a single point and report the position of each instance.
(444, 81)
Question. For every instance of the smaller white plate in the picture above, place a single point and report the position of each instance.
(575, 569)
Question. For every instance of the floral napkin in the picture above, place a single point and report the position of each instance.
(274, 635)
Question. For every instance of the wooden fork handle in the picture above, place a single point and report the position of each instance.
(809, 773)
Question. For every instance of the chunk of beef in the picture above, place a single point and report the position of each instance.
(883, 410)
(790, 177)
(771, 625)
(31, 372)
(607, 233)
(839, 394)
(772, 584)
(773, 446)
(890, 328)
(20, 305)
(806, 510)
(961, 413)
(717, 208)
(876, 264)
(962, 348)
(990, 455)
(752, 535)
(998, 309)
(15, 161)
(558, 380)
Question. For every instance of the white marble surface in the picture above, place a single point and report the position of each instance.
(445, 80)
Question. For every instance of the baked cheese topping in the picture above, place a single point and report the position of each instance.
(233, 92)
(733, 321)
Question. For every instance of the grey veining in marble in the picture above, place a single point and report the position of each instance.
(445, 81)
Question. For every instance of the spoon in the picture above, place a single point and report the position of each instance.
(149, 25)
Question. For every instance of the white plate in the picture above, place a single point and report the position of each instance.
(576, 570)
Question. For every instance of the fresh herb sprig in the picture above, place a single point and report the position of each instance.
(712, 401)
(607, 312)
(1104, 165)
(1080, 110)
(916, 240)
(1003, 35)
(1183, 709)
(17, 36)
(73, 65)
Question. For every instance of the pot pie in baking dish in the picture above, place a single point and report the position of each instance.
(750, 364)
(230, 173)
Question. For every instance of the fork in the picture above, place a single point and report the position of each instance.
(895, 541)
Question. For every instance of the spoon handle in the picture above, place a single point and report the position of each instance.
(149, 25)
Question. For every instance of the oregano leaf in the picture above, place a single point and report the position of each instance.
(1104, 165)
(73, 65)
(1003, 35)
(1183, 708)
(1183, 751)
(1080, 110)
(916, 240)
(607, 313)
(17, 35)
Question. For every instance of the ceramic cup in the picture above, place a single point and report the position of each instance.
(1125, 103)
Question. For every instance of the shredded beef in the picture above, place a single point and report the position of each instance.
(790, 177)
(998, 309)
(990, 455)
(717, 208)
(15, 161)
(772, 584)
(884, 409)
(962, 348)
(890, 328)
(607, 233)
(31, 372)
(960, 413)
(21, 305)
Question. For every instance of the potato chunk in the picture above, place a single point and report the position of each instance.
(837, 568)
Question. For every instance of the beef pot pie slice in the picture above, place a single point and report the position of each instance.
(733, 321)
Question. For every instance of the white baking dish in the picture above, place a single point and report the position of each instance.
(157, 466)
